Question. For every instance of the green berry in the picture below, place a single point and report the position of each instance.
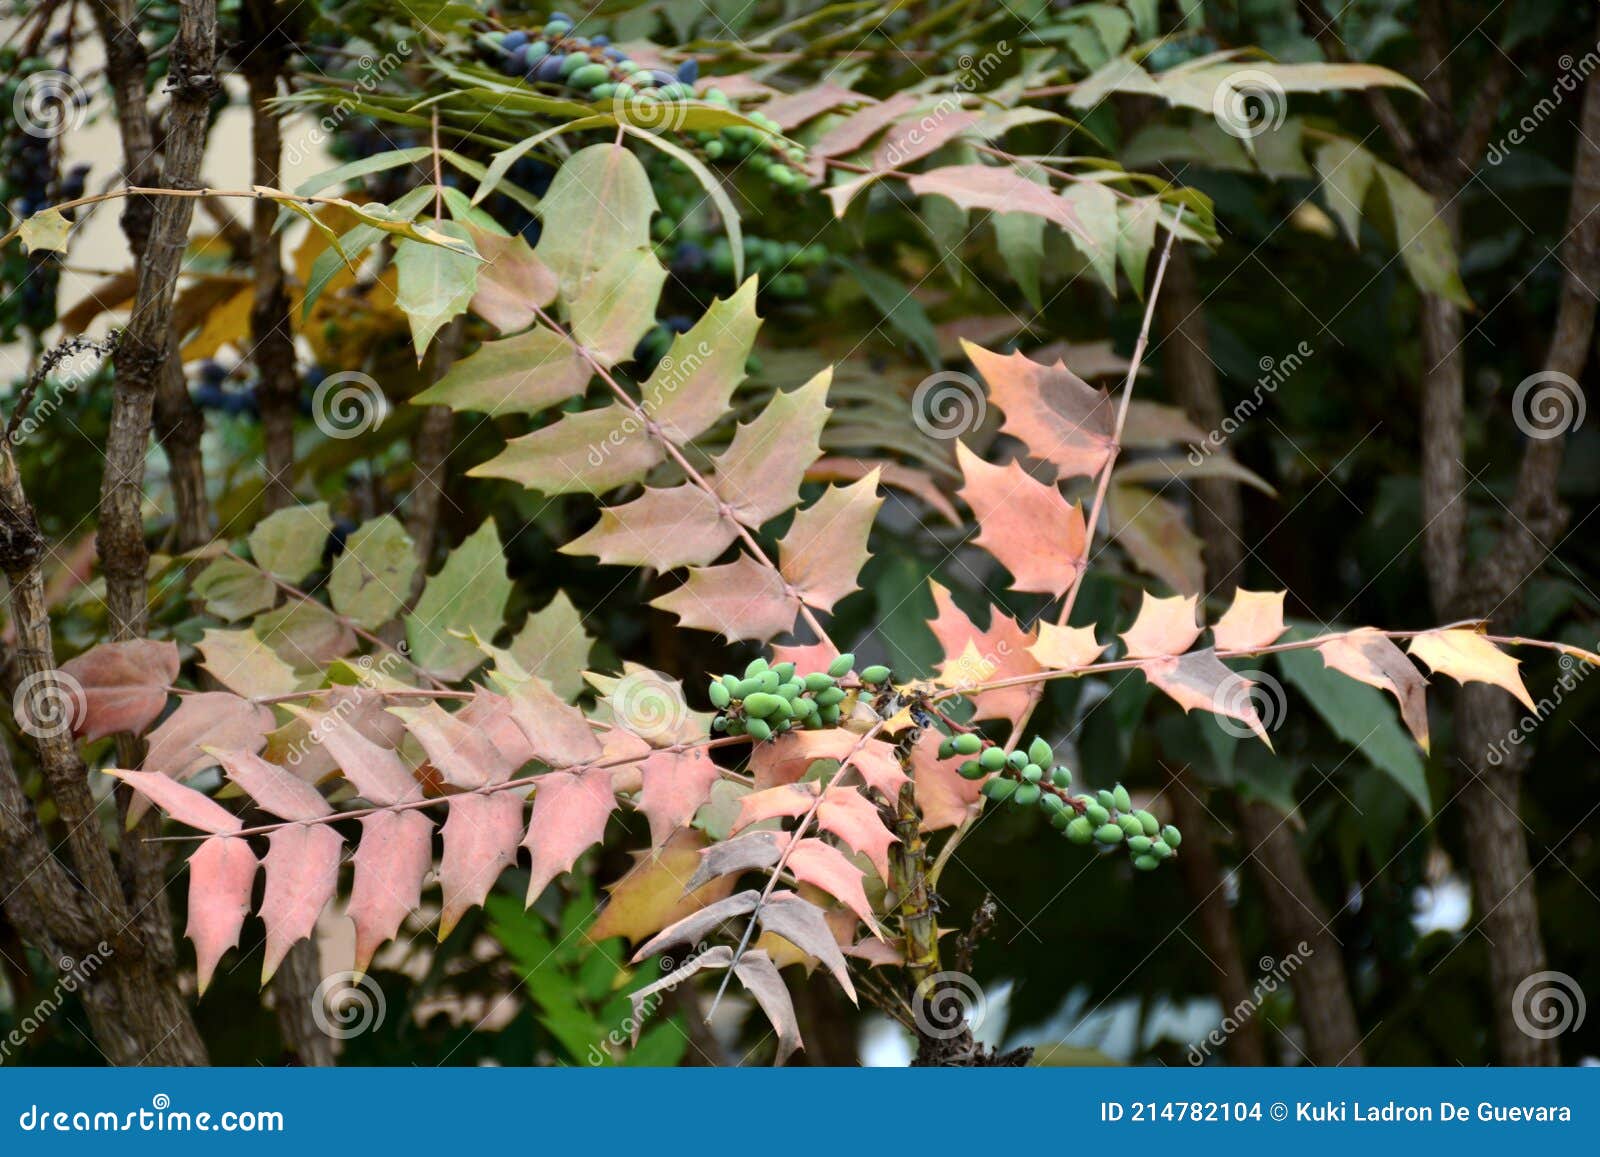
(1139, 845)
(745, 688)
(1097, 814)
(1107, 800)
(1148, 822)
(877, 673)
(768, 681)
(947, 748)
(785, 671)
(1108, 834)
(828, 716)
(1033, 773)
(1146, 863)
(790, 690)
(719, 695)
(1053, 804)
(715, 149)
(1160, 850)
(1018, 759)
(720, 723)
(605, 92)
(1061, 777)
(1061, 819)
(1027, 794)
(1000, 790)
(1119, 796)
(1039, 752)
(762, 704)
(759, 730)
(1080, 831)
(840, 667)
(574, 62)
(1171, 836)
(972, 769)
(831, 697)
(993, 759)
(755, 668)
(1130, 826)
(817, 681)
(968, 743)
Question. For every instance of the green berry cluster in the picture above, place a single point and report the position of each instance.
(761, 149)
(768, 700)
(591, 67)
(1029, 777)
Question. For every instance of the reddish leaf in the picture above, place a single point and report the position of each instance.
(183, 804)
(787, 758)
(857, 129)
(741, 600)
(222, 872)
(376, 770)
(1003, 649)
(569, 815)
(394, 856)
(1253, 620)
(493, 715)
(661, 529)
(210, 718)
(805, 656)
(917, 136)
(274, 789)
(1163, 627)
(463, 755)
(557, 732)
(920, 483)
(651, 895)
(1025, 524)
(1370, 657)
(676, 784)
(124, 686)
(791, 110)
(821, 864)
(826, 546)
(944, 797)
(1199, 679)
(480, 841)
(1058, 416)
(513, 284)
(790, 799)
(848, 814)
(1000, 189)
(302, 867)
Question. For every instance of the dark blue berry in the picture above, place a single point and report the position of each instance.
(512, 41)
(549, 69)
(689, 71)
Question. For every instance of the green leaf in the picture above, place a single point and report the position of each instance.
(599, 205)
(614, 306)
(350, 245)
(467, 595)
(1136, 236)
(1346, 170)
(692, 386)
(554, 646)
(1020, 237)
(288, 544)
(523, 374)
(371, 580)
(1360, 715)
(1422, 237)
(1096, 207)
(233, 589)
(365, 167)
(901, 310)
(435, 284)
(727, 211)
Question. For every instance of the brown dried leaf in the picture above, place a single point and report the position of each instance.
(1371, 657)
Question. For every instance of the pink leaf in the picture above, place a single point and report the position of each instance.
(814, 862)
(1163, 627)
(222, 872)
(944, 797)
(1199, 679)
(376, 770)
(461, 753)
(791, 799)
(209, 719)
(676, 784)
(1032, 531)
(302, 868)
(1372, 658)
(1003, 650)
(1000, 189)
(274, 789)
(788, 757)
(570, 811)
(480, 842)
(557, 732)
(662, 529)
(394, 856)
(494, 716)
(826, 546)
(124, 685)
(741, 600)
(1058, 416)
(183, 804)
(848, 814)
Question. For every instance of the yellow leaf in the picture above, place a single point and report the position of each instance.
(1164, 627)
(1066, 648)
(1468, 657)
(1255, 619)
(46, 232)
